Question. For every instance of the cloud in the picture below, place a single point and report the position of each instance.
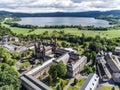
(58, 5)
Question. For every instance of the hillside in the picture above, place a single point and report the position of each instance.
(115, 13)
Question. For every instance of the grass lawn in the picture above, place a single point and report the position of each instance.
(16, 30)
(74, 31)
(108, 88)
(80, 82)
(65, 82)
(77, 86)
(73, 88)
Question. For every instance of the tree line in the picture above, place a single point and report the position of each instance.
(80, 27)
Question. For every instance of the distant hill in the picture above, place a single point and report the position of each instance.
(115, 13)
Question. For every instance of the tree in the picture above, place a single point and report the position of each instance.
(63, 44)
(62, 84)
(6, 87)
(6, 57)
(75, 81)
(59, 87)
(61, 69)
(83, 38)
(49, 80)
(113, 88)
(53, 72)
(94, 47)
(15, 55)
(25, 65)
(9, 78)
(57, 70)
(94, 56)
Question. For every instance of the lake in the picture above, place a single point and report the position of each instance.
(84, 21)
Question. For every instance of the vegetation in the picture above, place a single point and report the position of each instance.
(109, 88)
(76, 85)
(88, 69)
(73, 88)
(110, 33)
(24, 66)
(6, 57)
(5, 31)
(9, 79)
(58, 70)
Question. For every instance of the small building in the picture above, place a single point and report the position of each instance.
(75, 67)
(91, 83)
(14, 48)
(10, 47)
(117, 51)
(9, 39)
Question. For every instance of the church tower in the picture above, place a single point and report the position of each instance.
(54, 47)
(39, 49)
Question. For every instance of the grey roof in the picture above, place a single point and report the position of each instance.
(61, 51)
(117, 49)
(34, 83)
(63, 57)
(113, 63)
(89, 82)
(40, 67)
(106, 70)
(81, 59)
(9, 47)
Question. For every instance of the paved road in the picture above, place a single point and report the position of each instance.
(79, 76)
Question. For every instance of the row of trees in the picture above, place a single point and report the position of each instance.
(21, 26)
(5, 31)
(57, 26)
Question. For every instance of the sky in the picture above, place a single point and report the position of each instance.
(33, 6)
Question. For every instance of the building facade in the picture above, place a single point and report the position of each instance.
(91, 83)
(76, 67)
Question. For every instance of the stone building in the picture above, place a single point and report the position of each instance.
(65, 57)
(91, 83)
(43, 49)
(30, 81)
(114, 66)
(9, 39)
(75, 67)
(109, 68)
(117, 51)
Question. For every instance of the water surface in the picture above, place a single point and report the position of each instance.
(84, 21)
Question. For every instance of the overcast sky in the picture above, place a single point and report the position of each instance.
(32, 6)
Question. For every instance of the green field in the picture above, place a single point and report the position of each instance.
(108, 88)
(74, 31)
(17, 30)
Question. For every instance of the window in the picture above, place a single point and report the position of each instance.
(96, 76)
(90, 88)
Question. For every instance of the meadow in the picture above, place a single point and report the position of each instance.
(74, 31)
